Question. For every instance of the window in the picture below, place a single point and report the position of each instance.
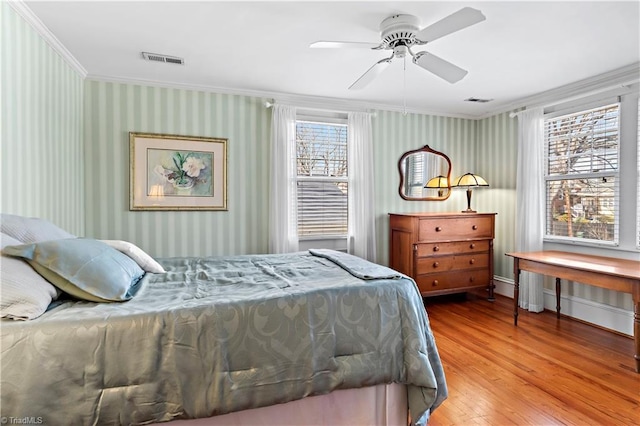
(581, 176)
(321, 162)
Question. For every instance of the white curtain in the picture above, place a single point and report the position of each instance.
(362, 227)
(530, 204)
(283, 234)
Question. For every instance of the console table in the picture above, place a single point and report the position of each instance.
(606, 272)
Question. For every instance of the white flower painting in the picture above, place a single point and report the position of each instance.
(175, 172)
(182, 173)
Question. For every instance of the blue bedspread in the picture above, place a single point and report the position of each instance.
(216, 335)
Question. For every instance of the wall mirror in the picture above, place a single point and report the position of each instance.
(425, 175)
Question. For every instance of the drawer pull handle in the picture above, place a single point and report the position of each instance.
(436, 264)
(438, 229)
(435, 283)
(472, 261)
(472, 246)
(436, 248)
(474, 227)
(470, 279)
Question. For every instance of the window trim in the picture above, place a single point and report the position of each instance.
(573, 110)
(638, 176)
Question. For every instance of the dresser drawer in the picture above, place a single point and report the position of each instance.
(429, 265)
(437, 229)
(431, 249)
(451, 280)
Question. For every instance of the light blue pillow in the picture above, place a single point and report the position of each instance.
(85, 268)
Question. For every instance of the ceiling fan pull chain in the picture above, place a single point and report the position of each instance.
(404, 85)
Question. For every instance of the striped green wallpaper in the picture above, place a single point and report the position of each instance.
(112, 110)
(42, 168)
(394, 134)
(497, 141)
(486, 147)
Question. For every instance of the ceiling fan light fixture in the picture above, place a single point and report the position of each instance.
(400, 51)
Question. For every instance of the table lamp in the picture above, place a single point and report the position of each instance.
(469, 180)
(439, 182)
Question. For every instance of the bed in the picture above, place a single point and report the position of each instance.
(215, 339)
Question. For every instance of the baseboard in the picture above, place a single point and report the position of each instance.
(602, 315)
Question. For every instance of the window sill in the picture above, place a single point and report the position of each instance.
(333, 243)
(595, 248)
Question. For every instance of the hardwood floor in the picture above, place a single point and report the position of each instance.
(545, 371)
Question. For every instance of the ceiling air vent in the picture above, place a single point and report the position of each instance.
(162, 58)
(478, 100)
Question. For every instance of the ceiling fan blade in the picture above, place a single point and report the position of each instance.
(371, 74)
(438, 66)
(344, 44)
(461, 19)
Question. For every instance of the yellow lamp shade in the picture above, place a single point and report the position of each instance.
(437, 182)
(469, 179)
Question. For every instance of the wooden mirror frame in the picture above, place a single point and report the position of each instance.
(428, 150)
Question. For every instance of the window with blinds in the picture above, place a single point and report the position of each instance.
(321, 160)
(582, 178)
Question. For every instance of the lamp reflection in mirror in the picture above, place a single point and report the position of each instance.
(439, 182)
(469, 180)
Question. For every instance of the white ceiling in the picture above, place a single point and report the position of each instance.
(262, 48)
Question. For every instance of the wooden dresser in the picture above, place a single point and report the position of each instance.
(444, 252)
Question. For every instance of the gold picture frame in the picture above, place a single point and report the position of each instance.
(173, 172)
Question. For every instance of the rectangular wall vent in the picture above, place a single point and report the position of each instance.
(479, 100)
(162, 58)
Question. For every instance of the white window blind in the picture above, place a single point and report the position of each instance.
(582, 185)
(321, 158)
(415, 175)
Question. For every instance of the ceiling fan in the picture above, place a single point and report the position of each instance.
(400, 33)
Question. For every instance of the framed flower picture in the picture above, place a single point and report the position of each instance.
(171, 172)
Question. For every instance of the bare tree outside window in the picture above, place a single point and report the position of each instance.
(582, 174)
(321, 161)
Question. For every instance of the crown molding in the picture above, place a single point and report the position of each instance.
(617, 78)
(27, 14)
(302, 101)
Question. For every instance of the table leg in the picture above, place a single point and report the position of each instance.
(516, 288)
(558, 297)
(492, 286)
(636, 325)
